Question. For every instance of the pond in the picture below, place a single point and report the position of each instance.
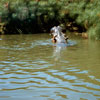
(32, 68)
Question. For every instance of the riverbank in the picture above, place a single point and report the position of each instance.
(38, 16)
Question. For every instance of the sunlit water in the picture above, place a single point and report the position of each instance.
(32, 68)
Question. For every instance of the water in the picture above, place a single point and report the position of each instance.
(31, 68)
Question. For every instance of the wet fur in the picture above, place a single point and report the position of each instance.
(54, 31)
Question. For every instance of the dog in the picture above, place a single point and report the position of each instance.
(58, 35)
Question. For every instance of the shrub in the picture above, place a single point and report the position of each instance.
(31, 16)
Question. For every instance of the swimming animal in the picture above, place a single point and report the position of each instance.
(57, 35)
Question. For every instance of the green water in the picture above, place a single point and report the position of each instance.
(31, 68)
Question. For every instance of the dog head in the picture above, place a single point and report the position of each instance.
(54, 31)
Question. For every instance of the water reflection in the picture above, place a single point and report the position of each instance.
(58, 50)
(61, 48)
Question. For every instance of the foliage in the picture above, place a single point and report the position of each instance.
(31, 16)
(87, 14)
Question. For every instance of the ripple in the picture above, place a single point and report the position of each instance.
(41, 71)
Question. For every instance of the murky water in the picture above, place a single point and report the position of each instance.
(31, 68)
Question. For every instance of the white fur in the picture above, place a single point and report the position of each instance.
(57, 33)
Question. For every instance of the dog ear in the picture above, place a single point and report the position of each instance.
(54, 40)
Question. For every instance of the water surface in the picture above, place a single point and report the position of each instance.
(32, 68)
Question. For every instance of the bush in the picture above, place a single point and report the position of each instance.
(33, 16)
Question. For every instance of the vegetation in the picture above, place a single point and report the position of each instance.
(34, 16)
